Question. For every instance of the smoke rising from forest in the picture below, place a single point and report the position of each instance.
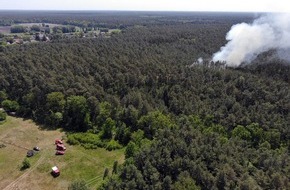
(247, 41)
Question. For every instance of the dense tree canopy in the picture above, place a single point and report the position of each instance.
(185, 156)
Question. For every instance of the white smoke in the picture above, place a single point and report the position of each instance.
(247, 41)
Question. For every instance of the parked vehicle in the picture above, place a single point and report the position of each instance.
(30, 153)
(55, 171)
(36, 148)
(58, 141)
(60, 147)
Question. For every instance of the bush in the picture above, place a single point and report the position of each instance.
(113, 145)
(87, 140)
(10, 106)
(71, 140)
(2, 116)
(25, 164)
(78, 185)
(17, 29)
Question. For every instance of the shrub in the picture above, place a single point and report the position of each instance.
(87, 140)
(2, 116)
(71, 140)
(10, 106)
(113, 145)
(25, 164)
(78, 185)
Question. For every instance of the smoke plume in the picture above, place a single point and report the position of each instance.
(247, 41)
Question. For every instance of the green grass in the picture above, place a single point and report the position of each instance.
(77, 163)
(8, 123)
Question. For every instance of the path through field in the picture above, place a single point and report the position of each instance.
(19, 135)
(14, 184)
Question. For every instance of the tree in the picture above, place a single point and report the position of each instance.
(47, 30)
(241, 132)
(130, 116)
(54, 119)
(57, 29)
(257, 133)
(37, 37)
(152, 122)
(115, 167)
(17, 29)
(10, 106)
(3, 95)
(131, 150)
(123, 134)
(93, 105)
(185, 182)
(55, 101)
(106, 173)
(137, 137)
(35, 28)
(107, 128)
(76, 116)
(167, 183)
(105, 112)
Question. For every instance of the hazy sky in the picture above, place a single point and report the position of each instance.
(155, 5)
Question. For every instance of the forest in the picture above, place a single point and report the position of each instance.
(185, 124)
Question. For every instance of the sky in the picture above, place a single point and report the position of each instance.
(150, 5)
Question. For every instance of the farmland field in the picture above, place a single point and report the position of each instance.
(5, 29)
(18, 135)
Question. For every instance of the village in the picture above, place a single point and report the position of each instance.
(45, 32)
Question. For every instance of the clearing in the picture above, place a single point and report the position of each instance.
(5, 29)
(78, 163)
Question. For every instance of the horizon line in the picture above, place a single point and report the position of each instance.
(108, 10)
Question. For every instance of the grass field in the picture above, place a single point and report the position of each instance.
(78, 163)
(5, 29)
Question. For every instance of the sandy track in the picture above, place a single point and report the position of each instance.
(13, 185)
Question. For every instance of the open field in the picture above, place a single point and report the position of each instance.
(5, 29)
(78, 163)
(38, 24)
